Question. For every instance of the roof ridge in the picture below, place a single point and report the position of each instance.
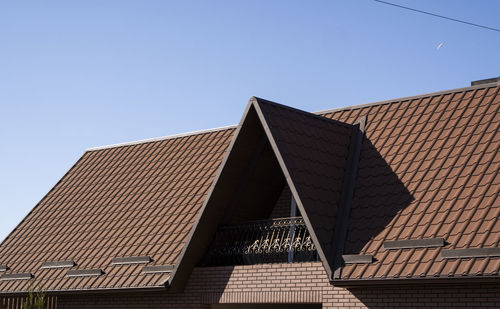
(319, 115)
(418, 96)
(305, 113)
(161, 138)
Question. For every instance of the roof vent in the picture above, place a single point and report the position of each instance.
(18, 276)
(357, 259)
(414, 243)
(3, 267)
(485, 81)
(84, 272)
(470, 253)
(57, 264)
(157, 269)
(131, 260)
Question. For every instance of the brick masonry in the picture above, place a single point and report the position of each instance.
(287, 283)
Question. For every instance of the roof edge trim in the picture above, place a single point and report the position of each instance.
(161, 138)
(415, 281)
(347, 195)
(93, 290)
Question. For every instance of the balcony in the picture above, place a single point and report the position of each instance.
(284, 240)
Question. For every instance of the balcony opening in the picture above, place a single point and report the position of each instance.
(282, 240)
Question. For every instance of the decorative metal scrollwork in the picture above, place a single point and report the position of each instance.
(268, 241)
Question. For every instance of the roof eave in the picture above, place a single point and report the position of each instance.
(413, 281)
(162, 288)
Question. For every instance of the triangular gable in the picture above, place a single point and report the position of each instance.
(312, 153)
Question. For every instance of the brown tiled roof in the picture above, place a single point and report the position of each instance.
(429, 168)
(134, 200)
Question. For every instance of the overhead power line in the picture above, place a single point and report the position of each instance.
(440, 16)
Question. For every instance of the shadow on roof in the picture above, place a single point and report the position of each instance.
(379, 196)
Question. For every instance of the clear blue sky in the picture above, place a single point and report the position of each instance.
(78, 74)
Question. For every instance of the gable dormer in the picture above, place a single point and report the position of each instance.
(275, 147)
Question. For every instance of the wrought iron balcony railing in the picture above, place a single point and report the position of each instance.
(257, 242)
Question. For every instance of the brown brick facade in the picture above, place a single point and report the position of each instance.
(288, 283)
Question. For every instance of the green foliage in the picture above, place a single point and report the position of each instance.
(35, 300)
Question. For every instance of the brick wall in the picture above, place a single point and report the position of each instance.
(290, 283)
(287, 283)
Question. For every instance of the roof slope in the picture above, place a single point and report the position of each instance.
(135, 200)
(429, 168)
